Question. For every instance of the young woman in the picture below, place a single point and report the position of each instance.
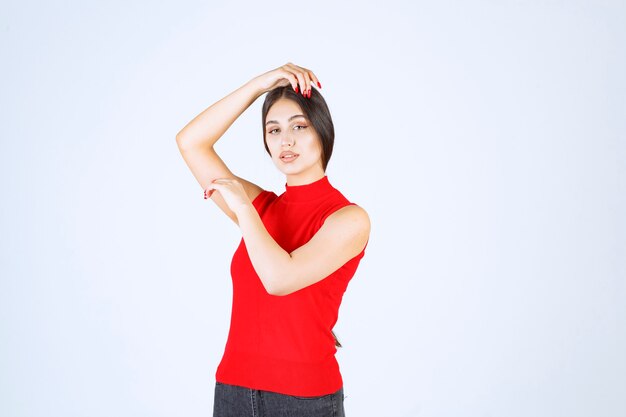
(298, 251)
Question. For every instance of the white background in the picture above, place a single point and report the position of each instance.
(486, 140)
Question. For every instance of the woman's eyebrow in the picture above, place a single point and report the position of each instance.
(292, 117)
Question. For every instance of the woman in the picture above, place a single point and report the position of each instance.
(297, 254)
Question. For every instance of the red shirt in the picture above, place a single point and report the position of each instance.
(284, 344)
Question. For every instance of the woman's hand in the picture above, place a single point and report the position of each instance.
(231, 191)
(300, 79)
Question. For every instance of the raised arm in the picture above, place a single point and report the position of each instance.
(206, 128)
(197, 139)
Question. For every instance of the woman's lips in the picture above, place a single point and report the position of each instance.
(289, 158)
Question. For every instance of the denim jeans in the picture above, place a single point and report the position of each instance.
(236, 401)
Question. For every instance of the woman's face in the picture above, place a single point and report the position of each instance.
(287, 131)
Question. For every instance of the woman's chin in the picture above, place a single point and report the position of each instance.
(288, 168)
(288, 171)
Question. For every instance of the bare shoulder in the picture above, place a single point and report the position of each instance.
(352, 216)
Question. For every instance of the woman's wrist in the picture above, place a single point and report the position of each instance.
(245, 210)
(256, 87)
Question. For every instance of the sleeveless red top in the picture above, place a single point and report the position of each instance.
(284, 344)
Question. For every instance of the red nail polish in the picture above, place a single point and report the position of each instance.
(296, 89)
(319, 85)
(309, 93)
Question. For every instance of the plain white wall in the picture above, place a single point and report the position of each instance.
(484, 138)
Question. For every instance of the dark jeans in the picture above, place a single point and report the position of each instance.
(235, 401)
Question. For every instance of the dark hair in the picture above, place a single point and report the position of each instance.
(314, 109)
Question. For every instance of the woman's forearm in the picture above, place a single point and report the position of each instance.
(269, 259)
(207, 127)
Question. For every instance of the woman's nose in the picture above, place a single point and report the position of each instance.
(286, 141)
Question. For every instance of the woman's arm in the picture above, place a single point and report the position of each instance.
(343, 235)
(195, 142)
(207, 127)
(197, 139)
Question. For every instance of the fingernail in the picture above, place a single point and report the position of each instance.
(309, 93)
(319, 85)
(296, 88)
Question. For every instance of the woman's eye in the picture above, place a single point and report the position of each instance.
(271, 132)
